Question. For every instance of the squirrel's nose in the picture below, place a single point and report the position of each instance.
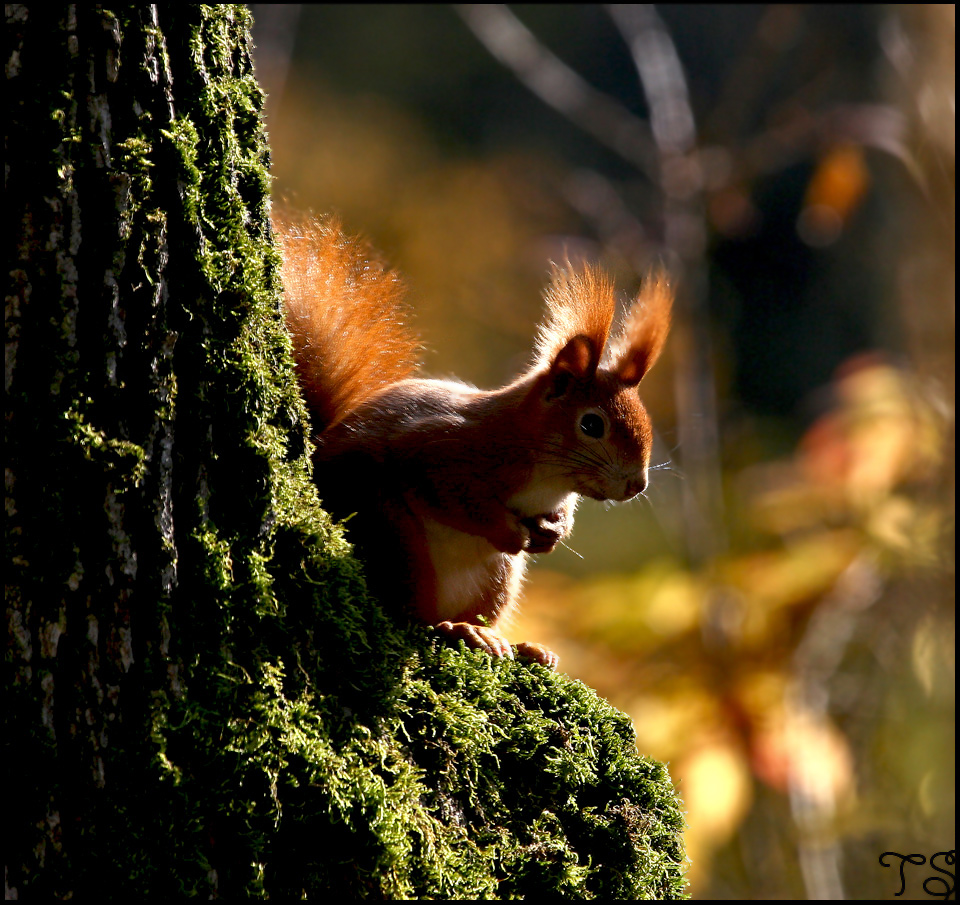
(636, 485)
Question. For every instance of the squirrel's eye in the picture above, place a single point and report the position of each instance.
(592, 425)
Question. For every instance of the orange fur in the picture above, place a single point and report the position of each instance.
(644, 331)
(346, 316)
(578, 304)
(453, 487)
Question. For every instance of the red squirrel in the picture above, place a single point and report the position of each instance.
(453, 486)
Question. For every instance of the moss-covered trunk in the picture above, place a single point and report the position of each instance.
(200, 697)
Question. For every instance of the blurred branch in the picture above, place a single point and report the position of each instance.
(557, 85)
(751, 73)
(661, 76)
(879, 126)
(665, 153)
(816, 661)
(601, 204)
(681, 181)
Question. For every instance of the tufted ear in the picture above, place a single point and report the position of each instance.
(644, 331)
(579, 356)
(580, 309)
(577, 360)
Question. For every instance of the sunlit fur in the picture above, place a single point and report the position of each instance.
(578, 303)
(644, 332)
(340, 295)
(453, 486)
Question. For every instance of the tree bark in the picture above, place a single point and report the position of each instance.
(201, 699)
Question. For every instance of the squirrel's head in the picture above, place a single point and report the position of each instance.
(597, 433)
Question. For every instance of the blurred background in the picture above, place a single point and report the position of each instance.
(777, 614)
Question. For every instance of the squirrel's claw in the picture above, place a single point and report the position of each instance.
(477, 637)
(540, 654)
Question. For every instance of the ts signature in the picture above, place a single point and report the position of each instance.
(932, 886)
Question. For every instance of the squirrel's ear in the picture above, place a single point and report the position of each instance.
(578, 359)
(644, 331)
(580, 309)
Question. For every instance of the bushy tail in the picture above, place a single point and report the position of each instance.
(345, 312)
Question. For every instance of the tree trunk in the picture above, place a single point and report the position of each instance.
(200, 697)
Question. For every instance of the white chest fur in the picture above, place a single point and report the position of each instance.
(470, 572)
(543, 495)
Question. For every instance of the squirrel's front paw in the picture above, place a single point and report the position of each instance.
(539, 654)
(485, 639)
(477, 636)
(546, 531)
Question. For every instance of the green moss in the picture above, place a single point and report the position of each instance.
(122, 459)
(470, 787)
